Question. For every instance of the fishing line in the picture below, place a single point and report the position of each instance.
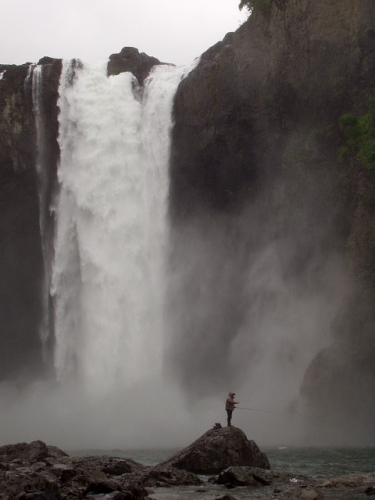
(254, 409)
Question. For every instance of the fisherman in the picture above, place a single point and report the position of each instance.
(229, 406)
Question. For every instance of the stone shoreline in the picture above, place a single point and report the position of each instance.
(37, 471)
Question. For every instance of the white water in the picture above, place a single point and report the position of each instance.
(35, 74)
(108, 274)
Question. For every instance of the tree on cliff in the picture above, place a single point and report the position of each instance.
(251, 5)
(261, 5)
(360, 137)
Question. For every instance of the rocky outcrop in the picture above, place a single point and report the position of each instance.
(253, 102)
(283, 484)
(130, 59)
(355, 483)
(218, 449)
(29, 453)
(36, 471)
(21, 260)
(252, 476)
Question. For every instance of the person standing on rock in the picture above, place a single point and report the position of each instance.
(229, 406)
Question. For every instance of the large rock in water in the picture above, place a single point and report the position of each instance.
(217, 450)
(130, 59)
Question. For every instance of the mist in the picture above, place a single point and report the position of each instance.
(248, 312)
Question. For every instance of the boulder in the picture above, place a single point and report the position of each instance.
(169, 476)
(217, 450)
(358, 482)
(29, 453)
(130, 59)
(253, 476)
(298, 493)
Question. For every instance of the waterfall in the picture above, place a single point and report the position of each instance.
(35, 77)
(108, 273)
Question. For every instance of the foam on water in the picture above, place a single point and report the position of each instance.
(108, 275)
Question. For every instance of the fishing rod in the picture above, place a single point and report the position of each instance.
(253, 409)
(269, 411)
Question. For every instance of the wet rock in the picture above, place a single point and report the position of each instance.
(253, 476)
(217, 450)
(169, 476)
(237, 476)
(21, 259)
(226, 497)
(34, 452)
(130, 59)
(36, 471)
(361, 483)
(298, 493)
(107, 465)
(24, 476)
(63, 472)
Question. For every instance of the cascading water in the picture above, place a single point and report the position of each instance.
(108, 274)
(35, 75)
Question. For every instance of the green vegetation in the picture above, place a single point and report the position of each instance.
(262, 6)
(257, 5)
(360, 137)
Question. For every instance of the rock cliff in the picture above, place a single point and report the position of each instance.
(257, 136)
(21, 260)
(218, 449)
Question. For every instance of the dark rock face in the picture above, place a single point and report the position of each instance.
(33, 452)
(20, 251)
(130, 59)
(21, 260)
(218, 449)
(215, 145)
(254, 165)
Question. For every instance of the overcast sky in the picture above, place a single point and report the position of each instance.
(174, 31)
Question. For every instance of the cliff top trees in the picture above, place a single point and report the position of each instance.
(258, 5)
(360, 136)
(261, 5)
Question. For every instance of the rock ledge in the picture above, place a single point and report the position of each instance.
(218, 449)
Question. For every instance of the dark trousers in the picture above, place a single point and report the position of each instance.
(229, 416)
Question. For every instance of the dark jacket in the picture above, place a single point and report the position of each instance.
(229, 404)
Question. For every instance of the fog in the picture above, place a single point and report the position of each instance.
(245, 317)
(236, 319)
